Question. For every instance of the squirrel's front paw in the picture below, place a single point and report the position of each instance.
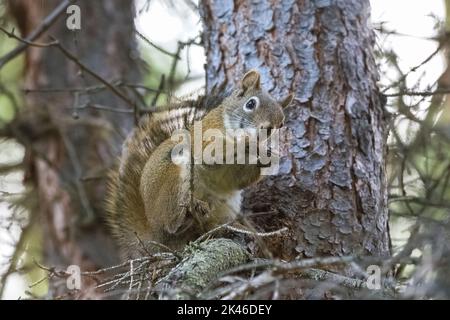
(201, 207)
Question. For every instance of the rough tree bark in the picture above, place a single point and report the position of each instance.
(64, 146)
(331, 190)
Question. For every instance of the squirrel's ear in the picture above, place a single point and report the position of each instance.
(286, 100)
(251, 80)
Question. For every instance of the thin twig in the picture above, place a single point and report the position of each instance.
(174, 55)
(55, 43)
(37, 32)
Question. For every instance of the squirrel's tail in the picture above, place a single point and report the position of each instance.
(124, 204)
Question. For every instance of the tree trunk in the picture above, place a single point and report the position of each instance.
(331, 190)
(69, 148)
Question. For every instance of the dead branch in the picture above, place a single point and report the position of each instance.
(37, 32)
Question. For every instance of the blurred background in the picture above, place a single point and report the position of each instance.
(412, 38)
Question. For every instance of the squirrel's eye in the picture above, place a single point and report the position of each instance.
(251, 104)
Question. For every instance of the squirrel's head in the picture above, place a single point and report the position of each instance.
(250, 107)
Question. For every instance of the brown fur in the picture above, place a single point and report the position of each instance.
(151, 199)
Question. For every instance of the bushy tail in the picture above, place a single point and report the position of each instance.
(124, 204)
